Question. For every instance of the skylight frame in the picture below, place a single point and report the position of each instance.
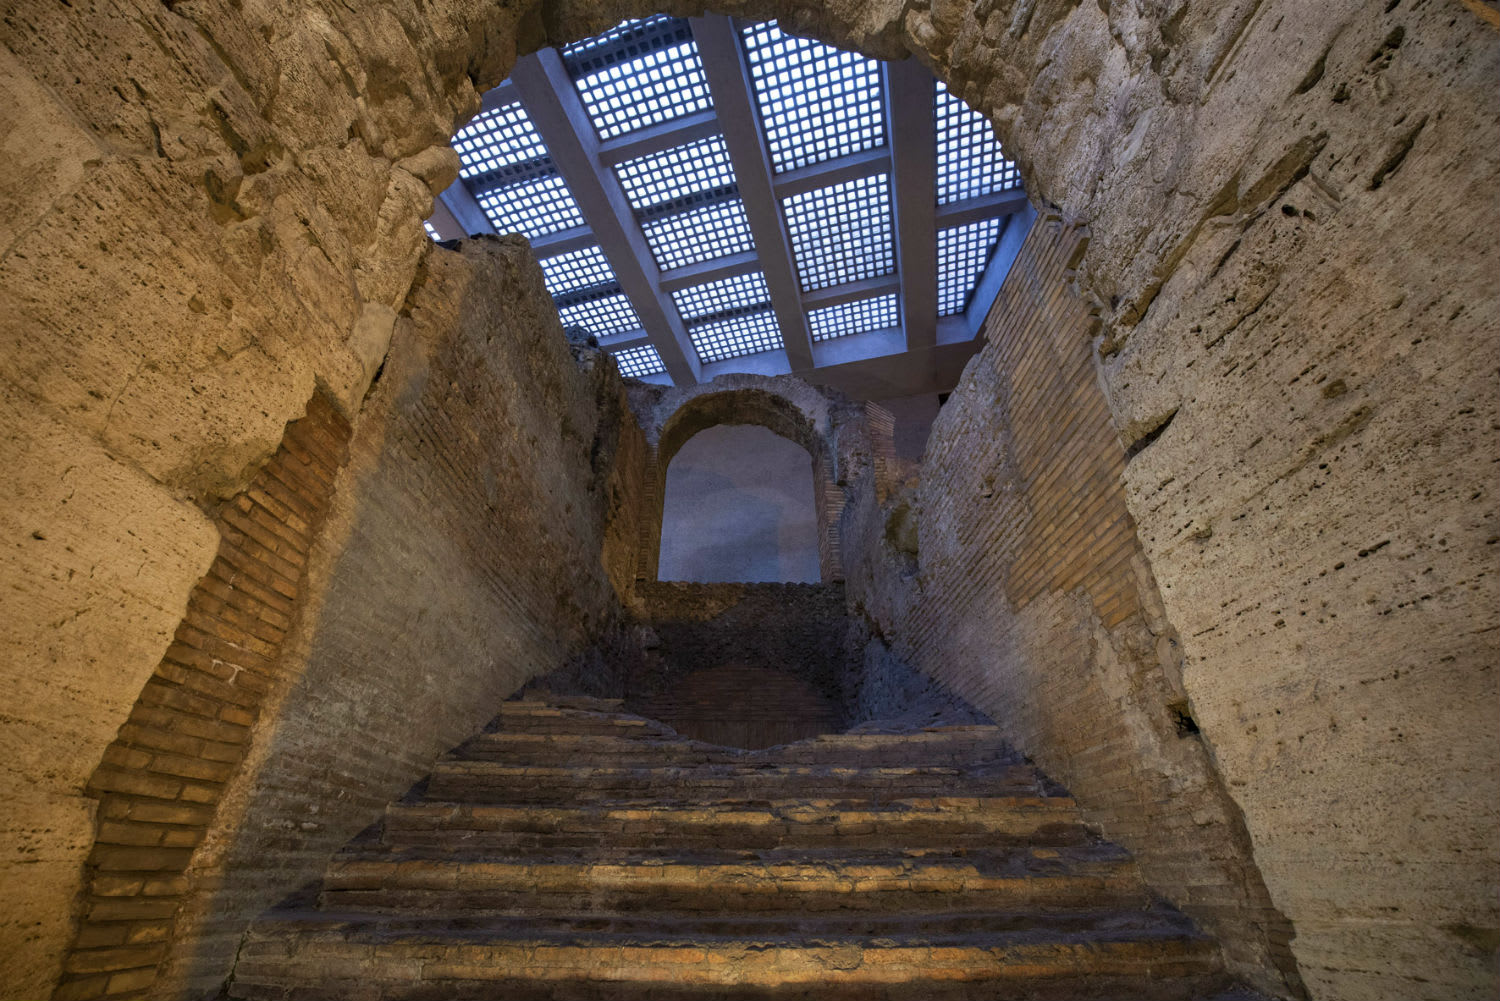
(842, 233)
(963, 254)
(639, 362)
(723, 297)
(738, 336)
(798, 83)
(858, 316)
(639, 73)
(970, 161)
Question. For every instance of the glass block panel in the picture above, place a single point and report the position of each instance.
(736, 337)
(577, 270)
(601, 315)
(816, 102)
(639, 73)
(638, 362)
(432, 234)
(970, 162)
(706, 233)
(498, 141)
(858, 317)
(841, 233)
(658, 182)
(962, 253)
(742, 293)
(533, 208)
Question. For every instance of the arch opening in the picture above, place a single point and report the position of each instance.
(739, 506)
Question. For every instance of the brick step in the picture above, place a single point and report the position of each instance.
(330, 958)
(946, 823)
(503, 782)
(1086, 878)
(558, 749)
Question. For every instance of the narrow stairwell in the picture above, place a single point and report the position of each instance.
(576, 851)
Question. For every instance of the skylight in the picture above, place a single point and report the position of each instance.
(534, 208)
(726, 296)
(858, 317)
(639, 73)
(577, 270)
(816, 102)
(498, 140)
(970, 162)
(962, 253)
(672, 189)
(601, 315)
(717, 229)
(751, 334)
(841, 233)
(638, 362)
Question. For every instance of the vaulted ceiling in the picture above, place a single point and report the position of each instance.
(709, 196)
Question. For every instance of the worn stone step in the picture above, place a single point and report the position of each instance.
(1087, 877)
(537, 717)
(329, 958)
(947, 823)
(504, 782)
(922, 748)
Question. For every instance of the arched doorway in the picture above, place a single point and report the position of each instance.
(739, 507)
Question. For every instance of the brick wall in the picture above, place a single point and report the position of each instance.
(162, 779)
(465, 553)
(1033, 600)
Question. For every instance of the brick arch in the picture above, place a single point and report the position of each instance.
(832, 430)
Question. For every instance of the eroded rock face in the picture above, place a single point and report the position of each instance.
(1293, 241)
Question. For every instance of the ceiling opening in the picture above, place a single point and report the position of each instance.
(709, 195)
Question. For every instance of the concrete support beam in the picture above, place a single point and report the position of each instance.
(550, 99)
(909, 100)
(729, 83)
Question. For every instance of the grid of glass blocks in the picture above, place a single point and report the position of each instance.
(576, 270)
(496, 141)
(533, 208)
(431, 233)
(710, 231)
(637, 362)
(970, 162)
(858, 317)
(639, 73)
(816, 102)
(660, 181)
(736, 337)
(725, 297)
(841, 233)
(962, 253)
(601, 315)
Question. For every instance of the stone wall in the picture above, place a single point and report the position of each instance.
(162, 778)
(462, 557)
(1028, 594)
(213, 210)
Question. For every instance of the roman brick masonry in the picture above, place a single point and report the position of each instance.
(1190, 612)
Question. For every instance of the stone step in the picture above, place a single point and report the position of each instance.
(922, 748)
(746, 781)
(1086, 877)
(943, 823)
(1141, 956)
(537, 717)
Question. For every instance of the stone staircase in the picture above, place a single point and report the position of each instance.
(576, 851)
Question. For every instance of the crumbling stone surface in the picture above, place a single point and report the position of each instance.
(462, 556)
(220, 212)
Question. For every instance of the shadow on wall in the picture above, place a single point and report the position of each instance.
(739, 507)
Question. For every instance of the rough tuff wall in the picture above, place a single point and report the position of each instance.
(461, 557)
(162, 778)
(1027, 592)
(214, 208)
